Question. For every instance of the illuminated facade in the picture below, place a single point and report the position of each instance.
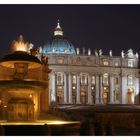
(87, 78)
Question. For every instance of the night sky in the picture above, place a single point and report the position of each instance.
(103, 27)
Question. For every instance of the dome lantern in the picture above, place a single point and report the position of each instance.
(58, 30)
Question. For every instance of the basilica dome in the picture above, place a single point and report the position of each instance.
(59, 44)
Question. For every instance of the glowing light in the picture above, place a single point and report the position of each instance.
(40, 122)
(20, 123)
(60, 122)
(20, 45)
(58, 30)
(53, 50)
(58, 33)
(30, 95)
(89, 52)
(116, 64)
(73, 87)
(132, 98)
(59, 87)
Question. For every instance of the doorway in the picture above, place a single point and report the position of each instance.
(130, 95)
(105, 94)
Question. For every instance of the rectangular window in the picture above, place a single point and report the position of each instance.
(130, 80)
(116, 64)
(59, 78)
(60, 61)
(84, 79)
(105, 79)
(130, 63)
(74, 79)
(105, 62)
(93, 80)
(73, 61)
(116, 80)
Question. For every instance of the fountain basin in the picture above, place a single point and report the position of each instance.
(39, 128)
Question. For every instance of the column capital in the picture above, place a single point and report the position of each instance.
(100, 75)
(53, 72)
(70, 74)
(78, 74)
(66, 73)
(96, 73)
(124, 75)
(111, 75)
(90, 74)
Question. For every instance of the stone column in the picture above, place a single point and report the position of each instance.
(89, 90)
(111, 89)
(50, 87)
(136, 84)
(65, 88)
(78, 90)
(100, 89)
(53, 90)
(70, 89)
(124, 89)
(97, 90)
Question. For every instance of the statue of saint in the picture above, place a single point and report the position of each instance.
(96, 53)
(100, 52)
(110, 53)
(40, 49)
(122, 53)
(137, 56)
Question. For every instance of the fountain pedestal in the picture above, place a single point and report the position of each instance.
(20, 110)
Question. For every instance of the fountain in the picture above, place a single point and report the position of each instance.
(24, 91)
(20, 91)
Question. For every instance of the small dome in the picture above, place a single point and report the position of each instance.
(59, 44)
